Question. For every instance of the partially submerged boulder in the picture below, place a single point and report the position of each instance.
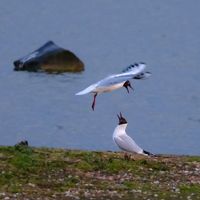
(50, 58)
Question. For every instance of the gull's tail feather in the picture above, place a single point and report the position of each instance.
(134, 67)
(148, 153)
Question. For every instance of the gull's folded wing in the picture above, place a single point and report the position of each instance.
(128, 144)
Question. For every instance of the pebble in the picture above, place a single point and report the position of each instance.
(177, 190)
(31, 184)
(156, 182)
(162, 172)
(133, 190)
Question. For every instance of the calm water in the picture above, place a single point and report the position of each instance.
(163, 112)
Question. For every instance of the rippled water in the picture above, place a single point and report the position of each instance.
(163, 112)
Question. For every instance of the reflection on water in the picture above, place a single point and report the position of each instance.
(163, 111)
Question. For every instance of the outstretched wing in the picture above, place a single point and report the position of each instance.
(134, 68)
(129, 73)
(143, 75)
(87, 90)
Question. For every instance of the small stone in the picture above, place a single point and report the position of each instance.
(2, 194)
(156, 182)
(177, 190)
(162, 172)
(133, 190)
(31, 184)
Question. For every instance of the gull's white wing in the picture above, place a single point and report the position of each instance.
(135, 68)
(143, 75)
(87, 90)
(129, 73)
(127, 143)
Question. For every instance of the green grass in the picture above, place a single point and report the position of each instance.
(193, 159)
(42, 172)
(190, 189)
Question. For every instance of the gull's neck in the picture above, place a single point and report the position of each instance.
(120, 129)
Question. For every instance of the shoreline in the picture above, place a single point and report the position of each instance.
(57, 173)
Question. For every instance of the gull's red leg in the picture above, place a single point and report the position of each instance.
(127, 156)
(94, 101)
(131, 86)
(127, 89)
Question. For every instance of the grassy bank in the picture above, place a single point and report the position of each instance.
(41, 173)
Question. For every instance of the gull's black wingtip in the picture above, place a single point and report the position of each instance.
(148, 153)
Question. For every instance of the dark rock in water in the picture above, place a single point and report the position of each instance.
(50, 58)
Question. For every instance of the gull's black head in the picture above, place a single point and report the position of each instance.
(127, 84)
(122, 120)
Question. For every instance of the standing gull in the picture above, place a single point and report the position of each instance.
(124, 141)
(116, 81)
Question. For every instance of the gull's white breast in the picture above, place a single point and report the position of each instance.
(108, 88)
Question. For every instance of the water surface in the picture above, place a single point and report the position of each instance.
(163, 112)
